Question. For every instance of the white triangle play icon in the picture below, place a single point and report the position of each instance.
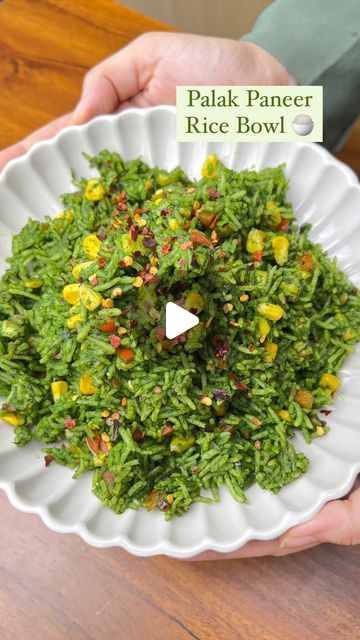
(178, 320)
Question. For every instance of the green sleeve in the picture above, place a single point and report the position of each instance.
(318, 42)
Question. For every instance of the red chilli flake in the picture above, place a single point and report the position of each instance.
(251, 347)
(166, 249)
(138, 435)
(256, 421)
(326, 412)
(134, 232)
(200, 238)
(102, 262)
(48, 459)
(160, 333)
(283, 225)
(103, 447)
(257, 256)
(213, 194)
(241, 386)
(149, 242)
(93, 443)
(115, 341)
(108, 477)
(167, 430)
(221, 351)
(187, 245)
(69, 423)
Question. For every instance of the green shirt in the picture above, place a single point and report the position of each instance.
(318, 42)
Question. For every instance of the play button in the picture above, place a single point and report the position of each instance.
(178, 320)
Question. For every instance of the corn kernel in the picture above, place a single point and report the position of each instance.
(320, 431)
(270, 311)
(86, 386)
(121, 331)
(284, 415)
(74, 320)
(206, 401)
(91, 299)
(164, 180)
(107, 303)
(123, 402)
(194, 301)
(280, 244)
(99, 460)
(35, 283)
(140, 221)
(138, 282)
(272, 349)
(272, 209)
(105, 437)
(153, 271)
(209, 167)
(105, 413)
(349, 334)
(149, 184)
(71, 293)
(58, 389)
(127, 261)
(91, 245)
(255, 241)
(12, 418)
(173, 224)
(68, 215)
(196, 205)
(244, 297)
(304, 398)
(81, 267)
(117, 292)
(170, 498)
(264, 329)
(94, 190)
(329, 381)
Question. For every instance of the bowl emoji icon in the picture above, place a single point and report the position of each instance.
(302, 125)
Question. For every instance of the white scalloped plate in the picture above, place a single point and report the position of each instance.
(324, 192)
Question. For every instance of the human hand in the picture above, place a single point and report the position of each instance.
(146, 72)
(337, 522)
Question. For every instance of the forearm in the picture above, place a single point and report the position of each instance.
(318, 42)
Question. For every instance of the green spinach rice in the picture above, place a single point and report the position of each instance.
(86, 367)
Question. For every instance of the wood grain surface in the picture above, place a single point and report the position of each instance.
(55, 586)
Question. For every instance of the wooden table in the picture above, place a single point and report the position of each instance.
(55, 586)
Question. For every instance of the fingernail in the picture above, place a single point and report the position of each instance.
(292, 542)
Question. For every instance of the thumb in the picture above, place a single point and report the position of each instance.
(120, 77)
(337, 522)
